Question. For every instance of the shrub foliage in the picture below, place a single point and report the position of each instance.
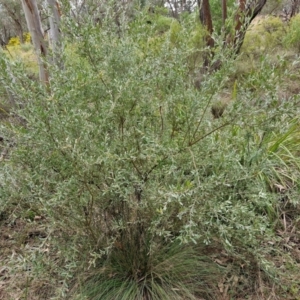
(137, 179)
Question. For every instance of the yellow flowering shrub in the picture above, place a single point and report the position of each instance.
(27, 37)
(14, 41)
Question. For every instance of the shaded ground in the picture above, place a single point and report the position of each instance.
(21, 240)
(24, 240)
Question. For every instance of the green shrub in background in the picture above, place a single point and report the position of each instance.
(137, 179)
(292, 38)
(264, 36)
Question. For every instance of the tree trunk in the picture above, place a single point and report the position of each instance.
(35, 27)
(246, 12)
(21, 35)
(15, 16)
(54, 32)
(290, 9)
(54, 20)
(224, 12)
(206, 20)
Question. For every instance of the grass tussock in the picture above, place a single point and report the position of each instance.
(168, 272)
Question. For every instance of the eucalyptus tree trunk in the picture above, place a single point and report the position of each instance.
(54, 20)
(15, 15)
(224, 12)
(54, 32)
(206, 20)
(247, 10)
(37, 34)
(290, 9)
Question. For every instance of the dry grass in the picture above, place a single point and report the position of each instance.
(24, 54)
(21, 240)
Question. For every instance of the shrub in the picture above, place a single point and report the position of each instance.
(14, 41)
(264, 36)
(116, 187)
(292, 38)
(122, 156)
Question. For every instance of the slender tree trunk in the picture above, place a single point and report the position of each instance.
(295, 7)
(54, 20)
(35, 27)
(6, 36)
(246, 12)
(174, 8)
(240, 18)
(224, 12)
(206, 20)
(21, 35)
(15, 16)
(54, 32)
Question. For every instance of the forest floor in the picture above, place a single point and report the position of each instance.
(22, 240)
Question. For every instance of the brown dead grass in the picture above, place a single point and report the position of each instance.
(20, 238)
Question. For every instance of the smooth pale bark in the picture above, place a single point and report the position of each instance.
(54, 32)
(37, 35)
(54, 20)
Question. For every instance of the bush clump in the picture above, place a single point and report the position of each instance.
(14, 41)
(146, 193)
(292, 38)
(264, 36)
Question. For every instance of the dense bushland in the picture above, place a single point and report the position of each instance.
(146, 194)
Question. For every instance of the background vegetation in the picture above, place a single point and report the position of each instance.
(136, 174)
